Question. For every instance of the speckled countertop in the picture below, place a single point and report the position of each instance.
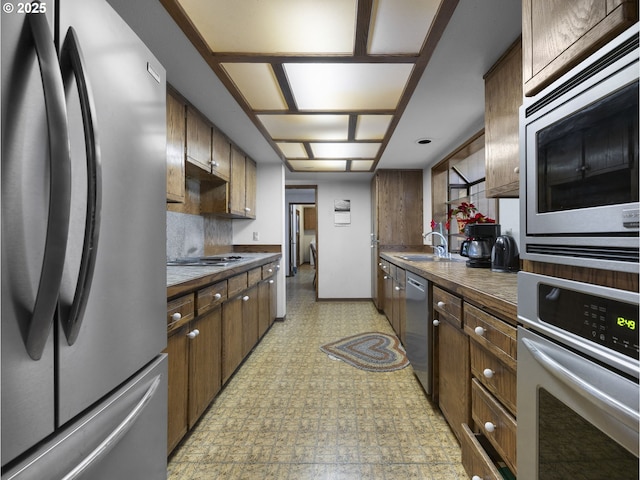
(493, 291)
(182, 279)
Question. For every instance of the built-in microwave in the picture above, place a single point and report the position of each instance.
(579, 163)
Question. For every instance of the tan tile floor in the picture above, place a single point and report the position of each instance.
(291, 412)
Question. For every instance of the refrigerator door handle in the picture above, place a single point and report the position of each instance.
(72, 63)
(114, 437)
(59, 189)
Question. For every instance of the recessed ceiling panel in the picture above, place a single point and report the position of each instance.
(372, 127)
(257, 84)
(361, 165)
(275, 26)
(292, 150)
(345, 150)
(306, 127)
(347, 87)
(400, 26)
(319, 165)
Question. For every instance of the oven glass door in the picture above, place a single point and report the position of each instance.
(576, 418)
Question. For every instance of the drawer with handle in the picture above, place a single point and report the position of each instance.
(479, 458)
(495, 375)
(496, 336)
(209, 297)
(269, 270)
(448, 306)
(180, 311)
(495, 423)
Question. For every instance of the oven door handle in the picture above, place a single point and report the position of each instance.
(609, 404)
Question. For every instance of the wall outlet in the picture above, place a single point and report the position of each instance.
(256, 236)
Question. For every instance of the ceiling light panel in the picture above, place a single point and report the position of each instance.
(372, 127)
(292, 150)
(400, 26)
(347, 87)
(319, 165)
(361, 165)
(345, 150)
(306, 127)
(275, 26)
(258, 85)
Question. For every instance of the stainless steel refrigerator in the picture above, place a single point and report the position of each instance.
(84, 392)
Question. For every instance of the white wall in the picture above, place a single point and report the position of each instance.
(269, 222)
(344, 252)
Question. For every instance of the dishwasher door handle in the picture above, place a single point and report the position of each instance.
(415, 284)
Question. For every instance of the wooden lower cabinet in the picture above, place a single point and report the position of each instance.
(454, 376)
(249, 320)
(205, 363)
(232, 339)
(178, 378)
(399, 295)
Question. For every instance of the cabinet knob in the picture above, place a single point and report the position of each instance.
(245, 298)
(247, 209)
(385, 277)
(436, 323)
(217, 296)
(476, 477)
(193, 333)
(441, 304)
(270, 270)
(271, 281)
(278, 267)
(214, 163)
(516, 170)
(176, 316)
(487, 372)
(490, 427)
(479, 331)
(397, 289)
(380, 264)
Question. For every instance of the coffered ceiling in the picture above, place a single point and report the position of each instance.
(325, 82)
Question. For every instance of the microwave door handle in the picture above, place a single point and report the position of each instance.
(72, 63)
(610, 405)
(59, 189)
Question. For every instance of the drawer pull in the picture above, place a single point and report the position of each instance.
(476, 477)
(386, 277)
(245, 298)
(441, 304)
(397, 289)
(176, 316)
(271, 282)
(479, 331)
(380, 264)
(488, 373)
(193, 333)
(490, 427)
(436, 323)
(270, 270)
(217, 296)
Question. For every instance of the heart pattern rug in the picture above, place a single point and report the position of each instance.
(374, 351)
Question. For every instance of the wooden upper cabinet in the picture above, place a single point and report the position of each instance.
(558, 34)
(237, 183)
(250, 176)
(503, 97)
(176, 111)
(198, 143)
(220, 155)
(398, 207)
(310, 218)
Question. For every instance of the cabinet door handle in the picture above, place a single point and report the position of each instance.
(479, 331)
(214, 163)
(516, 170)
(271, 281)
(247, 209)
(397, 289)
(490, 427)
(176, 316)
(476, 477)
(217, 296)
(270, 270)
(245, 298)
(193, 333)
(441, 304)
(488, 373)
(436, 323)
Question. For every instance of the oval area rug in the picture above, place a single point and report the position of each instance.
(372, 351)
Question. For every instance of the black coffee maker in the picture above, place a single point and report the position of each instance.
(478, 244)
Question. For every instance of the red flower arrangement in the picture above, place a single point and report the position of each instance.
(466, 213)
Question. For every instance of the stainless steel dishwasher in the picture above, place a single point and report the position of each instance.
(418, 334)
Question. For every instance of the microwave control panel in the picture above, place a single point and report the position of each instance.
(605, 321)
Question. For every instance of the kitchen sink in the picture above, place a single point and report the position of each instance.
(429, 258)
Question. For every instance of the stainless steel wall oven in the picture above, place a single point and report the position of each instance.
(579, 158)
(578, 371)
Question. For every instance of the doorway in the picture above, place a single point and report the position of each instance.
(302, 228)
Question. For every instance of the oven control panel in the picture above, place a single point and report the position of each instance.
(608, 322)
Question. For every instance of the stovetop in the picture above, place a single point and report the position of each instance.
(217, 261)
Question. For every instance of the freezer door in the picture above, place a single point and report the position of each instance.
(125, 436)
(121, 326)
(27, 385)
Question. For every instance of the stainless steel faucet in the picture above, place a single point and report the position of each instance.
(441, 250)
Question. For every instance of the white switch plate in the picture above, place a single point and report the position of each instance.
(256, 236)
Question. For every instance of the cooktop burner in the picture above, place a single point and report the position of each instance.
(205, 261)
